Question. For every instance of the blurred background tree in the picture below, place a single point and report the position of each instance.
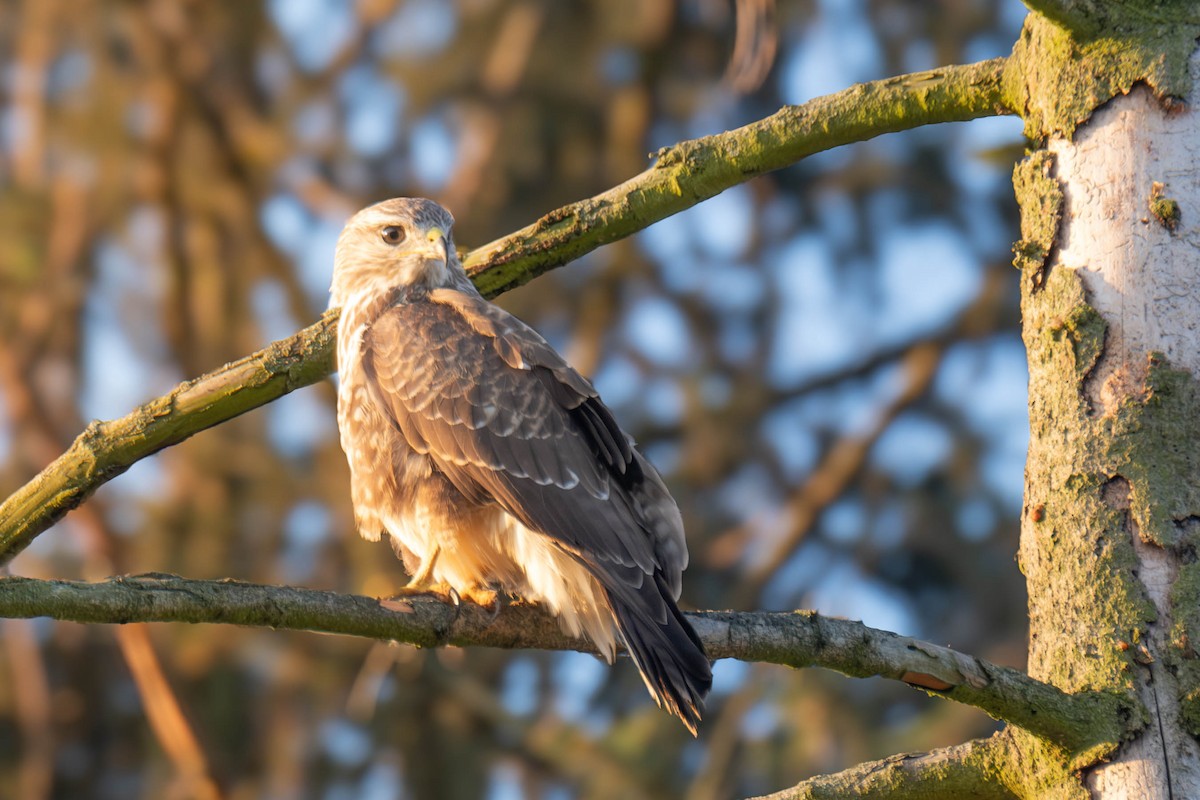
(824, 363)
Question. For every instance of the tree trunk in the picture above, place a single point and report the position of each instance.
(1111, 308)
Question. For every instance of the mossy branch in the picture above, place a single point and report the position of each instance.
(106, 449)
(690, 172)
(800, 639)
(807, 639)
(683, 176)
(973, 769)
(1086, 19)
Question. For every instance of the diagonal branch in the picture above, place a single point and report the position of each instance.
(106, 449)
(683, 176)
(799, 639)
(972, 769)
(690, 172)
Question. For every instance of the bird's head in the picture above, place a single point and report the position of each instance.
(404, 241)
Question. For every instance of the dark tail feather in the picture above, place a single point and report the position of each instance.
(666, 650)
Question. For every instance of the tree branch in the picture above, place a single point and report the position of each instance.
(684, 175)
(974, 769)
(690, 172)
(106, 449)
(800, 639)
(806, 639)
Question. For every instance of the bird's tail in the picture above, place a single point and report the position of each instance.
(665, 648)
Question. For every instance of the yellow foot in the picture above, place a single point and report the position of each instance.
(494, 601)
(484, 597)
(443, 590)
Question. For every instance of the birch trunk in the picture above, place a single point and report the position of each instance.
(1112, 325)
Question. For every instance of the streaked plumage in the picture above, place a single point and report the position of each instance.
(490, 462)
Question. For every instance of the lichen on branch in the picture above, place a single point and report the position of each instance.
(692, 171)
(106, 449)
(973, 769)
(801, 639)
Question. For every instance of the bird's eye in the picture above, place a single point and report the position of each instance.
(392, 234)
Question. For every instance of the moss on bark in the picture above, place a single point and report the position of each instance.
(1034, 183)
(1144, 443)
(1059, 77)
(1103, 477)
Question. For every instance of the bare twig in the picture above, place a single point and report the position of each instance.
(35, 51)
(558, 744)
(840, 464)
(800, 639)
(754, 46)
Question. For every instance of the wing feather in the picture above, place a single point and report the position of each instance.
(507, 420)
(532, 453)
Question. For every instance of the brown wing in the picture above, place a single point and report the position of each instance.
(508, 421)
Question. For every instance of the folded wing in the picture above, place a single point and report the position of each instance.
(507, 421)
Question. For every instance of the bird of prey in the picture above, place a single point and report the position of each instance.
(492, 464)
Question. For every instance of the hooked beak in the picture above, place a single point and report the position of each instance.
(435, 245)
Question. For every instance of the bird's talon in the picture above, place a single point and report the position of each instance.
(497, 606)
(491, 599)
(424, 590)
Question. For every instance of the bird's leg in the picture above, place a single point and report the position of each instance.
(422, 583)
(422, 580)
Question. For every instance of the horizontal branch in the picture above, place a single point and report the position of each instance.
(683, 176)
(974, 769)
(807, 639)
(799, 639)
